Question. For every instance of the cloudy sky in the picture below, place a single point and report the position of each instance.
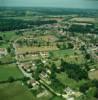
(52, 3)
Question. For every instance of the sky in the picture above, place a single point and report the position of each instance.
(51, 3)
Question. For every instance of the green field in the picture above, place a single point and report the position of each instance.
(9, 70)
(69, 55)
(7, 58)
(9, 35)
(63, 78)
(3, 45)
(15, 91)
(62, 53)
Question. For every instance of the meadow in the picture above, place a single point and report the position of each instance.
(9, 70)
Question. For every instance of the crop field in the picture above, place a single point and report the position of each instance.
(28, 58)
(93, 75)
(18, 91)
(36, 49)
(3, 45)
(9, 70)
(83, 19)
(15, 91)
(62, 53)
(8, 35)
(69, 55)
(47, 38)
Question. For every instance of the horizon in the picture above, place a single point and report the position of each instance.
(82, 4)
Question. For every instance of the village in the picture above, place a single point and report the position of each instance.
(56, 59)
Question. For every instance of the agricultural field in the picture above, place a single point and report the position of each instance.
(83, 19)
(9, 70)
(64, 79)
(4, 45)
(6, 59)
(36, 49)
(18, 91)
(47, 38)
(69, 55)
(45, 54)
(10, 35)
(96, 24)
(93, 74)
(15, 91)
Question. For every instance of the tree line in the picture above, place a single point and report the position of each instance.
(16, 24)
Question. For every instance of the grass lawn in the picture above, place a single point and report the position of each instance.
(9, 70)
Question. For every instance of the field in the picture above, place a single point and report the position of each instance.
(93, 75)
(47, 38)
(83, 19)
(96, 24)
(62, 53)
(7, 58)
(3, 45)
(36, 49)
(15, 91)
(69, 55)
(63, 78)
(18, 91)
(9, 70)
(9, 35)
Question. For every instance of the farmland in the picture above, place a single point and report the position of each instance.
(9, 70)
(15, 91)
(93, 74)
(48, 54)
(84, 19)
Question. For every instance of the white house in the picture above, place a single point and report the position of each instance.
(3, 52)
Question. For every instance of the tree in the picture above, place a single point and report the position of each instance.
(53, 72)
(84, 87)
(9, 49)
(11, 79)
(87, 56)
(70, 46)
(1, 38)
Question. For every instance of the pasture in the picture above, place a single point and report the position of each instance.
(9, 70)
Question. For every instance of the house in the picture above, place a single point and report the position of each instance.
(26, 67)
(33, 83)
(3, 52)
(69, 91)
(44, 54)
(44, 76)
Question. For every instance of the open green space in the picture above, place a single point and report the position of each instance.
(15, 91)
(9, 70)
(70, 55)
(18, 91)
(4, 45)
(7, 59)
(62, 53)
(63, 78)
(9, 35)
